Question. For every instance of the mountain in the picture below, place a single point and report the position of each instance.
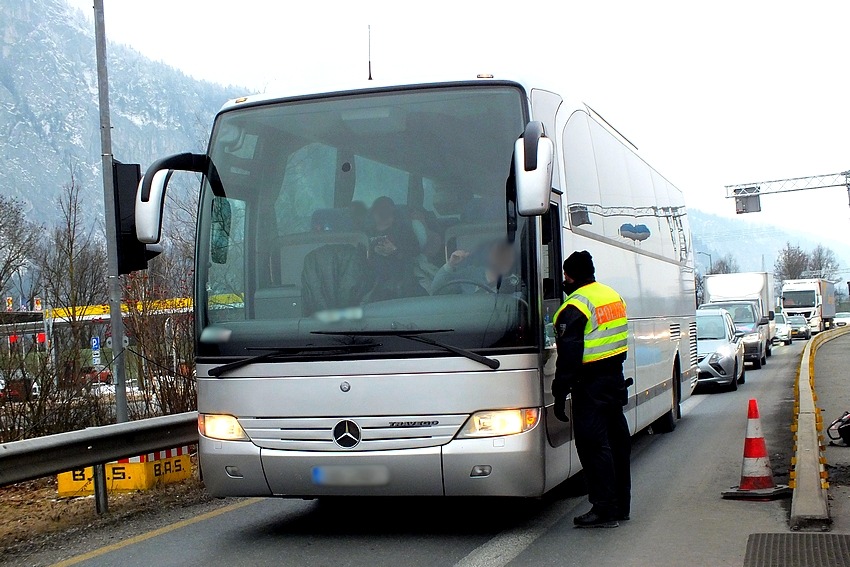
(49, 124)
(754, 246)
(49, 120)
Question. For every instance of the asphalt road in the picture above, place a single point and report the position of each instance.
(678, 517)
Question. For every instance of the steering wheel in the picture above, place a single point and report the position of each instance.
(479, 285)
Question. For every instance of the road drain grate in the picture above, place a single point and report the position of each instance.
(798, 550)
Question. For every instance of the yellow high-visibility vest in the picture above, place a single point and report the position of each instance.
(606, 333)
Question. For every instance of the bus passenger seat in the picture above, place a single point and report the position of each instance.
(335, 276)
(285, 299)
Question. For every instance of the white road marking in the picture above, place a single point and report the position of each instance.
(507, 545)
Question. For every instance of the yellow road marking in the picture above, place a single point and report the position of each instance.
(154, 533)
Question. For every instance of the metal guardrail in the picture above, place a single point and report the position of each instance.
(809, 502)
(44, 456)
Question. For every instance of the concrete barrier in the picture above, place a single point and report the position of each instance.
(809, 503)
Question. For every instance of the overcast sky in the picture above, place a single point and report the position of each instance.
(712, 93)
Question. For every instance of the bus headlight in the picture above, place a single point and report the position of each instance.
(496, 423)
(224, 427)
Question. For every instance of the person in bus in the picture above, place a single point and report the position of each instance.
(393, 248)
(489, 270)
(591, 330)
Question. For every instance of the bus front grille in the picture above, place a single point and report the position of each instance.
(374, 433)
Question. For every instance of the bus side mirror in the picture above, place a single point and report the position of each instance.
(150, 195)
(149, 212)
(534, 155)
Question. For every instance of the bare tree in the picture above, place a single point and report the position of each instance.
(69, 266)
(726, 264)
(823, 263)
(72, 266)
(18, 239)
(791, 263)
(160, 320)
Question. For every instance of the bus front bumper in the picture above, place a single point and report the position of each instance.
(498, 466)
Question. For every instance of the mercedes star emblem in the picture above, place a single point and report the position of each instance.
(346, 434)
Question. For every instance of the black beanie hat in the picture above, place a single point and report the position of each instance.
(579, 266)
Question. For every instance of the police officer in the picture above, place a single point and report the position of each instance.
(592, 338)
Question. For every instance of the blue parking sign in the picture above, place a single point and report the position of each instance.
(95, 343)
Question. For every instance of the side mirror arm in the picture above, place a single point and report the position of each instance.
(198, 163)
(150, 195)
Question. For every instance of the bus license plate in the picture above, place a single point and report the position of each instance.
(351, 475)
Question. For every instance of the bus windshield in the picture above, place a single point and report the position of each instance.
(802, 298)
(380, 211)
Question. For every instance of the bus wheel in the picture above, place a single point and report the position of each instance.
(667, 422)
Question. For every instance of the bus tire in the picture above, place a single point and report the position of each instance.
(667, 422)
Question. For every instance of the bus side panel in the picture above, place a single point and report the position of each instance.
(633, 222)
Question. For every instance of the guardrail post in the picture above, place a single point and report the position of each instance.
(101, 499)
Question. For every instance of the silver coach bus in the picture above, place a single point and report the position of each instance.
(376, 271)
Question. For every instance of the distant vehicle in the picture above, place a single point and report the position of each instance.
(752, 324)
(842, 318)
(18, 387)
(101, 389)
(799, 327)
(96, 373)
(720, 350)
(783, 329)
(814, 299)
(752, 286)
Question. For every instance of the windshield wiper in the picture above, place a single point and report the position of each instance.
(277, 352)
(419, 337)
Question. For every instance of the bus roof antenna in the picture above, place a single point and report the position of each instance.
(370, 52)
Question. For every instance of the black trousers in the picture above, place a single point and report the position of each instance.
(603, 441)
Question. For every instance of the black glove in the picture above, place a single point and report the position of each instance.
(560, 389)
(561, 410)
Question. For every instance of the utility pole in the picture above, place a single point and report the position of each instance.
(114, 281)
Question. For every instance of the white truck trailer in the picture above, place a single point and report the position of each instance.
(814, 299)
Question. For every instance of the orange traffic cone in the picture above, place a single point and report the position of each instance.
(756, 474)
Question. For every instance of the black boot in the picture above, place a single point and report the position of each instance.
(594, 519)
